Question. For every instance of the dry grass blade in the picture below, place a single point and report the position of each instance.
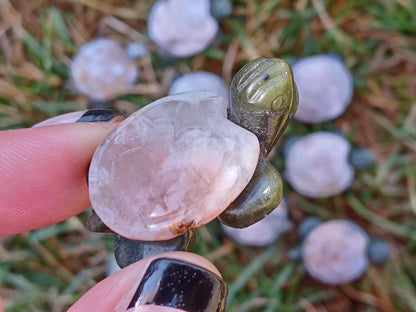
(308, 307)
(411, 185)
(377, 40)
(9, 91)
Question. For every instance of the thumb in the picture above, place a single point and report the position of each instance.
(168, 282)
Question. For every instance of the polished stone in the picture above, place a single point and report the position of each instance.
(265, 231)
(264, 99)
(260, 197)
(335, 252)
(200, 81)
(128, 251)
(325, 87)
(173, 165)
(181, 28)
(95, 224)
(317, 165)
(101, 69)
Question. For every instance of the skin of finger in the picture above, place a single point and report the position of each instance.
(1, 306)
(43, 173)
(116, 291)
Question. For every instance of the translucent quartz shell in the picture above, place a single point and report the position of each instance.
(200, 80)
(175, 164)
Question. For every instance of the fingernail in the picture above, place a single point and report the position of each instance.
(61, 119)
(81, 116)
(99, 115)
(180, 285)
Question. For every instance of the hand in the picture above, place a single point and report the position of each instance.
(45, 167)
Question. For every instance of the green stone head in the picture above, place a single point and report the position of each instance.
(264, 99)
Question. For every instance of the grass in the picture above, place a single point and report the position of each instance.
(48, 269)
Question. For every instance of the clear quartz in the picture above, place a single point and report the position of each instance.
(175, 164)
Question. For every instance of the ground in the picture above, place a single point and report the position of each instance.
(48, 269)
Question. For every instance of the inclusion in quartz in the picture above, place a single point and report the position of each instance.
(173, 165)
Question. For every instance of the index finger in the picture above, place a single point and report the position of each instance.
(44, 173)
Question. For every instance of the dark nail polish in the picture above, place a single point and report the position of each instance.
(178, 284)
(99, 115)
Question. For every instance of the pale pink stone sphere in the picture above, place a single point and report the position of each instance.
(317, 165)
(101, 69)
(199, 81)
(325, 88)
(335, 252)
(182, 28)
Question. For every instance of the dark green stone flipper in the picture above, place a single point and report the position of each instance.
(264, 99)
(260, 197)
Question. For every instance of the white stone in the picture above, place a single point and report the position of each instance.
(335, 252)
(101, 69)
(325, 88)
(317, 165)
(200, 80)
(175, 164)
(263, 232)
(181, 28)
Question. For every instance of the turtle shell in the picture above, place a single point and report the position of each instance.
(175, 164)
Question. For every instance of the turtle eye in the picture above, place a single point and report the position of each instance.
(279, 103)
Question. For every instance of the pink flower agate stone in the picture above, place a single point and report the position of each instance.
(335, 252)
(182, 28)
(175, 164)
(317, 165)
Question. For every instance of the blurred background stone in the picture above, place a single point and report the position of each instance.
(181, 28)
(335, 252)
(325, 87)
(200, 80)
(101, 69)
(317, 165)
